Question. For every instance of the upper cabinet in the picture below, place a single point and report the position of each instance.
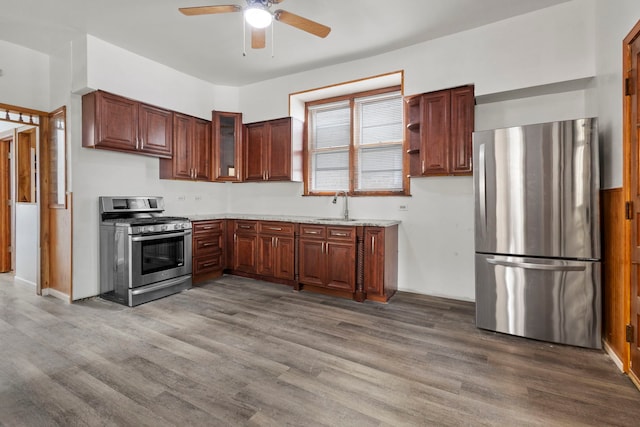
(227, 143)
(192, 150)
(273, 150)
(114, 122)
(439, 131)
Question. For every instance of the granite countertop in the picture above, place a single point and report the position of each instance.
(298, 219)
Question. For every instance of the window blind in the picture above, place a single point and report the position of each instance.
(378, 142)
(329, 142)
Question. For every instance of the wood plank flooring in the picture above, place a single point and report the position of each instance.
(238, 352)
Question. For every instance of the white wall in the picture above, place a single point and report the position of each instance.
(612, 26)
(539, 49)
(25, 77)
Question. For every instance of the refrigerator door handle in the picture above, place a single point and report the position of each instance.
(482, 183)
(534, 266)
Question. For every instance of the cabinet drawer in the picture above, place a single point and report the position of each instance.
(341, 233)
(313, 231)
(207, 227)
(206, 244)
(242, 226)
(207, 264)
(280, 228)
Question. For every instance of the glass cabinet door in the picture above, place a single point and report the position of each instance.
(227, 129)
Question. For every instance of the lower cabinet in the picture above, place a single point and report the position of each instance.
(276, 250)
(380, 262)
(358, 262)
(328, 257)
(208, 249)
(245, 246)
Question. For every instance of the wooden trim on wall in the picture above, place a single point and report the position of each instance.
(614, 314)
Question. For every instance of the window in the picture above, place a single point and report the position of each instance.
(355, 144)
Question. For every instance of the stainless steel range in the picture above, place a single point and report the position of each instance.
(143, 254)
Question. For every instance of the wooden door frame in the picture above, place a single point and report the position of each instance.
(39, 119)
(626, 185)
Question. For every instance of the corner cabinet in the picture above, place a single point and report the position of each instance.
(439, 132)
(273, 150)
(113, 122)
(192, 150)
(227, 146)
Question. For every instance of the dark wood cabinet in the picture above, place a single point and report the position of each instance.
(245, 246)
(439, 132)
(358, 262)
(208, 249)
(273, 150)
(192, 150)
(117, 123)
(381, 262)
(227, 143)
(276, 257)
(328, 257)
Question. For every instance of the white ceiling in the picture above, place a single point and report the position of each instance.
(211, 47)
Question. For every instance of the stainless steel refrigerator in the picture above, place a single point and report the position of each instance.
(537, 231)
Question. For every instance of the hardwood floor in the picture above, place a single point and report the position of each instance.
(241, 352)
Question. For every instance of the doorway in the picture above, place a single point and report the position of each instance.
(42, 217)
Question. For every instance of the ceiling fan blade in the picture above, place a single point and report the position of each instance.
(258, 38)
(301, 23)
(209, 10)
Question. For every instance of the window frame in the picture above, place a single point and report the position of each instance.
(351, 97)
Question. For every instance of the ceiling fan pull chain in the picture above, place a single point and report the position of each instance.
(244, 38)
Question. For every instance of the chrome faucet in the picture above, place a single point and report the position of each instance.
(345, 214)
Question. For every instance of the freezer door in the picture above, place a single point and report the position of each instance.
(544, 299)
(536, 190)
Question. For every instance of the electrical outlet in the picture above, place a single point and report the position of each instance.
(403, 207)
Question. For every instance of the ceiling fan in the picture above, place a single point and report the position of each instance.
(258, 15)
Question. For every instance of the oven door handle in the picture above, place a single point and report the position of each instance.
(159, 236)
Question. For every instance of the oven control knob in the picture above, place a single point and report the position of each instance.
(164, 227)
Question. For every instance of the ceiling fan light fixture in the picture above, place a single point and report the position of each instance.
(257, 16)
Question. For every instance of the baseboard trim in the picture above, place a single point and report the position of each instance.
(612, 354)
(56, 294)
(24, 281)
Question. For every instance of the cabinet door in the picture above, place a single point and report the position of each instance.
(227, 137)
(155, 131)
(462, 125)
(435, 133)
(341, 266)
(253, 166)
(117, 122)
(278, 150)
(245, 252)
(374, 260)
(285, 259)
(182, 130)
(312, 262)
(202, 149)
(266, 255)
